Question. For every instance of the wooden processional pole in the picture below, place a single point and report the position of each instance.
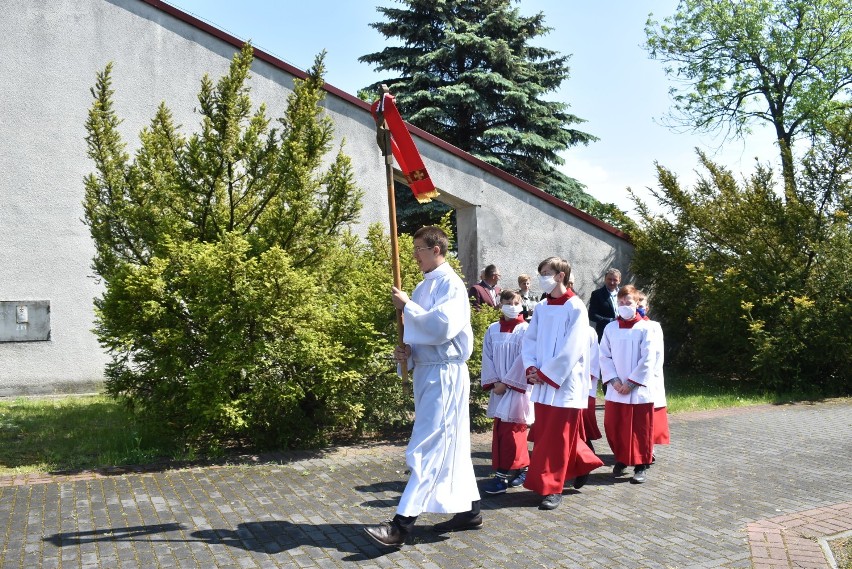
(384, 139)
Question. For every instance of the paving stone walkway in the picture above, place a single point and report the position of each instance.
(751, 487)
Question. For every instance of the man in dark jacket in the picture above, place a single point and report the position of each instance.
(486, 291)
(603, 302)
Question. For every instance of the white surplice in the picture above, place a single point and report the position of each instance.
(501, 361)
(629, 354)
(594, 361)
(658, 387)
(557, 343)
(437, 327)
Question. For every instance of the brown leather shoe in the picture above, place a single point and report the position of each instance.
(459, 522)
(387, 533)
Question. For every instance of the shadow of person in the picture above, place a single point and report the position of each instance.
(385, 503)
(392, 489)
(276, 536)
(483, 471)
(388, 486)
(131, 533)
(268, 537)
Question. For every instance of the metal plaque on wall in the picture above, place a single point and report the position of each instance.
(24, 320)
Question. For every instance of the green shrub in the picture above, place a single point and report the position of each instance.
(229, 310)
(752, 284)
(238, 308)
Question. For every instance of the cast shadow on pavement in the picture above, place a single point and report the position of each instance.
(132, 533)
(268, 537)
(276, 536)
(395, 487)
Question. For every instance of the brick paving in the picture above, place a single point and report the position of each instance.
(750, 487)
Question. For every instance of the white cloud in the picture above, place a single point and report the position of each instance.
(607, 184)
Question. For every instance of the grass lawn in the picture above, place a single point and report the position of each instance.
(699, 392)
(81, 432)
(74, 432)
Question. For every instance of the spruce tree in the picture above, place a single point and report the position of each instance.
(467, 73)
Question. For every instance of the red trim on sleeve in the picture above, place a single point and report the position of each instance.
(547, 380)
(518, 389)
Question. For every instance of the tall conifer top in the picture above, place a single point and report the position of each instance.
(466, 71)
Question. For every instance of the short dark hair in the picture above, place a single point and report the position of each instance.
(559, 265)
(432, 236)
(509, 294)
(489, 271)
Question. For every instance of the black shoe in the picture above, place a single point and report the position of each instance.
(459, 522)
(638, 474)
(550, 502)
(580, 481)
(387, 533)
(618, 469)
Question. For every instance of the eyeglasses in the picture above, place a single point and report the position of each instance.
(418, 249)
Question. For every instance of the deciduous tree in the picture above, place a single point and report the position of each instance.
(737, 62)
(750, 284)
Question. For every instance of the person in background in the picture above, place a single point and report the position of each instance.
(486, 290)
(591, 431)
(603, 302)
(662, 435)
(528, 299)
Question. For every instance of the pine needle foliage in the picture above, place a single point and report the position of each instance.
(238, 308)
(468, 72)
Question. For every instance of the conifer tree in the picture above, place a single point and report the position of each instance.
(216, 250)
(466, 71)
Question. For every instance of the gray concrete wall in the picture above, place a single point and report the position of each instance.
(51, 54)
(504, 224)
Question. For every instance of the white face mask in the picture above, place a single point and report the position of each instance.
(627, 312)
(547, 283)
(511, 311)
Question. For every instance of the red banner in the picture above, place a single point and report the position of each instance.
(404, 150)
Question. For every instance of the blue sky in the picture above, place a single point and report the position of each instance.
(614, 86)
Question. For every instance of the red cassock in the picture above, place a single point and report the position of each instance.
(661, 426)
(559, 453)
(509, 449)
(629, 430)
(591, 431)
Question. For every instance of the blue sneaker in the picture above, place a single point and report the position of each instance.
(519, 479)
(496, 485)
